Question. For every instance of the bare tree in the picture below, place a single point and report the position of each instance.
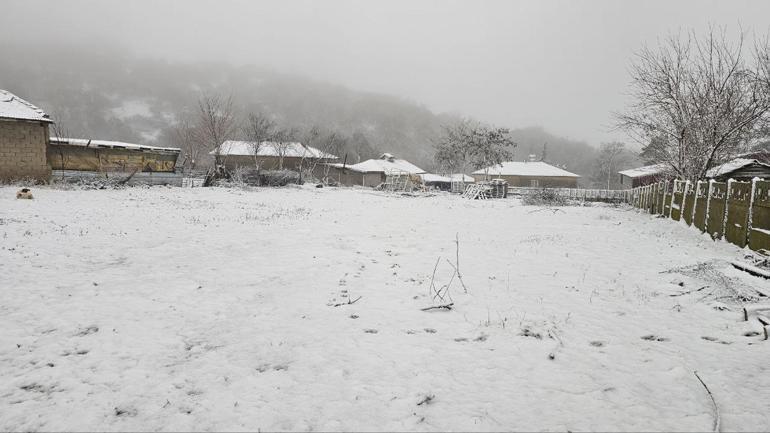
(258, 129)
(610, 155)
(186, 137)
(283, 141)
(696, 101)
(469, 143)
(215, 123)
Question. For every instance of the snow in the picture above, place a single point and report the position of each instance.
(210, 309)
(13, 107)
(527, 168)
(84, 142)
(393, 165)
(647, 170)
(459, 177)
(430, 177)
(269, 148)
(731, 166)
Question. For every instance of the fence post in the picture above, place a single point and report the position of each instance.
(708, 207)
(751, 210)
(684, 201)
(694, 202)
(727, 207)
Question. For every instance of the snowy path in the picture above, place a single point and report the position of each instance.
(210, 309)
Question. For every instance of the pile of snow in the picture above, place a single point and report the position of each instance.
(270, 148)
(13, 107)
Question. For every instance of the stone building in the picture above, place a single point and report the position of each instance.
(24, 137)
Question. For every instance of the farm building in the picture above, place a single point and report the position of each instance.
(79, 158)
(642, 176)
(371, 172)
(742, 169)
(537, 174)
(269, 155)
(23, 139)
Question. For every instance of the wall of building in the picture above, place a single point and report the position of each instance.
(23, 150)
(67, 157)
(542, 181)
(349, 177)
(265, 162)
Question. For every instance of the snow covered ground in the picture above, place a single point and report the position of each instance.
(213, 309)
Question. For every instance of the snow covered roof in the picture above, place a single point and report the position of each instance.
(13, 107)
(461, 177)
(518, 168)
(270, 148)
(386, 165)
(104, 144)
(731, 166)
(430, 177)
(647, 170)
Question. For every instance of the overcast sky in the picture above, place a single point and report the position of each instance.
(558, 64)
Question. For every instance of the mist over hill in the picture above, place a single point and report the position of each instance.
(99, 92)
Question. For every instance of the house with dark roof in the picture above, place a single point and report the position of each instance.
(741, 169)
(23, 139)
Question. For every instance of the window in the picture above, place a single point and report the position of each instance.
(534, 183)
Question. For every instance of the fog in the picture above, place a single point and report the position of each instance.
(561, 65)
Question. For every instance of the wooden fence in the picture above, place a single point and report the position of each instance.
(608, 195)
(738, 212)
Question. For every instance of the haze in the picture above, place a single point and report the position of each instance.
(558, 64)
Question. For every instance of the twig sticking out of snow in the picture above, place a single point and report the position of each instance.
(349, 302)
(439, 307)
(717, 419)
(426, 400)
(687, 292)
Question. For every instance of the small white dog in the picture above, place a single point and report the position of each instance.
(24, 193)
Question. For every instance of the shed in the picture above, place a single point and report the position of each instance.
(269, 155)
(530, 174)
(23, 139)
(642, 176)
(77, 158)
(743, 169)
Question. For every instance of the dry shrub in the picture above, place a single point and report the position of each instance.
(544, 197)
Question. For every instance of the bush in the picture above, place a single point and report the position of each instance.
(544, 197)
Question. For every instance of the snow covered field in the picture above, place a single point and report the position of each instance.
(213, 309)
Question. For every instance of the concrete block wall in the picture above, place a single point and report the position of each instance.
(23, 151)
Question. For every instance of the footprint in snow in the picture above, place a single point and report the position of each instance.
(597, 343)
(653, 337)
(430, 330)
(371, 331)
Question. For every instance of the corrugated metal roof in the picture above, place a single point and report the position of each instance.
(647, 170)
(733, 165)
(13, 107)
(83, 142)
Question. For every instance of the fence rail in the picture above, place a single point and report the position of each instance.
(738, 212)
(621, 195)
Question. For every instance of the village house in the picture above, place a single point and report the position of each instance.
(371, 172)
(23, 139)
(269, 155)
(536, 174)
(642, 176)
(741, 169)
(79, 158)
